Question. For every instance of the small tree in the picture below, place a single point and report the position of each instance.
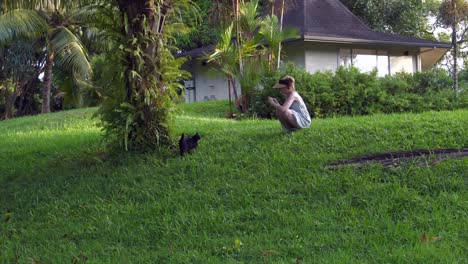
(273, 34)
(453, 14)
(225, 57)
(51, 21)
(137, 113)
(20, 64)
(242, 56)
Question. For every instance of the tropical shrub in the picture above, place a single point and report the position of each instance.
(257, 38)
(351, 92)
(434, 80)
(396, 84)
(259, 105)
(143, 75)
(356, 93)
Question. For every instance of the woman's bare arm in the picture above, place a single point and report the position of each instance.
(289, 100)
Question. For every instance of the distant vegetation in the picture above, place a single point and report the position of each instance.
(350, 92)
(119, 55)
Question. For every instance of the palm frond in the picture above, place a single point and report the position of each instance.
(271, 33)
(70, 90)
(98, 39)
(249, 17)
(99, 16)
(253, 70)
(21, 23)
(225, 55)
(8, 5)
(70, 52)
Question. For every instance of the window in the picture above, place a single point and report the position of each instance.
(344, 57)
(365, 60)
(383, 66)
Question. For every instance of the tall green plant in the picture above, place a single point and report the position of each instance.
(243, 56)
(138, 112)
(226, 57)
(52, 21)
(454, 15)
(20, 63)
(273, 35)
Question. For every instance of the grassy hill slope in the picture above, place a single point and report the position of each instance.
(249, 194)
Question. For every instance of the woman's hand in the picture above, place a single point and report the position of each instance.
(273, 101)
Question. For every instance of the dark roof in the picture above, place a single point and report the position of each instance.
(331, 21)
(198, 52)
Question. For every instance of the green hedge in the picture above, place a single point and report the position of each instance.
(351, 92)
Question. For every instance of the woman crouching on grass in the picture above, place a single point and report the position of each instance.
(292, 114)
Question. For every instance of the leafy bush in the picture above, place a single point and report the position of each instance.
(357, 93)
(434, 80)
(259, 105)
(396, 84)
(351, 92)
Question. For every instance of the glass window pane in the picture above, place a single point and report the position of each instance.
(344, 57)
(382, 63)
(365, 60)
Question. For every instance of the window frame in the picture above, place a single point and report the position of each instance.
(353, 54)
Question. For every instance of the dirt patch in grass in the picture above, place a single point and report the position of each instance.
(395, 159)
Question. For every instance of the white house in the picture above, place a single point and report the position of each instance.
(331, 36)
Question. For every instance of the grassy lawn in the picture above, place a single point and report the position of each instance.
(249, 194)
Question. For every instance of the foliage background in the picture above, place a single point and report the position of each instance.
(351, 92)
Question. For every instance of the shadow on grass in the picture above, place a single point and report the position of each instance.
(394, 159)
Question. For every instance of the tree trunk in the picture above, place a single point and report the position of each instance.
(281, 30)
(234, 88)
(455, 57)
(47, 81)
(229, 94)
(144, 81)
(135, 11)
(10, 101)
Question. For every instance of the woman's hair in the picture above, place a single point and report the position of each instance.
(289, 81)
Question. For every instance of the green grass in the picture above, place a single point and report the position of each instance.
(247, 181)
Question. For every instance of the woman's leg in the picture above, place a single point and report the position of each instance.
(287, 119)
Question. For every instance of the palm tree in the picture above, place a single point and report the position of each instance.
(226, 58)
(273, 34)
(141, 52)
(21, 62)
(255, 37)
(52, 21)
(143, 74)
(453, 14)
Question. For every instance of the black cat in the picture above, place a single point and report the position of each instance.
(187, 144)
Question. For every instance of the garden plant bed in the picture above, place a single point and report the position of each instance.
(395, 159)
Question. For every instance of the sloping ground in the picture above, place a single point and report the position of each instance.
(389, 159)
(248, 194)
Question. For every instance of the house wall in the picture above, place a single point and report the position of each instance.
(324, 56)
(211, 85)
(294, 52)
(321, 57)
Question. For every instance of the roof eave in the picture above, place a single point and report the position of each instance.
(370, 41)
